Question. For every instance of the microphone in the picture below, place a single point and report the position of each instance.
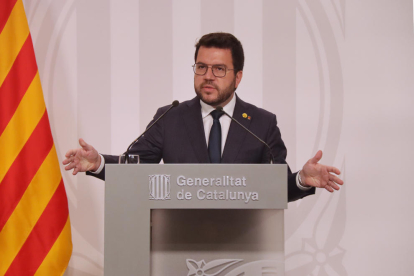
(220, 109)
(174, 104)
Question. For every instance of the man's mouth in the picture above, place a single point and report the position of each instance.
(208, 87)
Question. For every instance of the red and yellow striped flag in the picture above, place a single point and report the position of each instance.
(35, 236)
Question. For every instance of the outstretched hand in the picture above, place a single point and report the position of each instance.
(320, 176)
(82, 159)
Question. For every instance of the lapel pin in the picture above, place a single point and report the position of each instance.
(248, 118)
(244, 115)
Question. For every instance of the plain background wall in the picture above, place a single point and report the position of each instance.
(337, 73)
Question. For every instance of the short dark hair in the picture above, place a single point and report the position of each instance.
(223, 41)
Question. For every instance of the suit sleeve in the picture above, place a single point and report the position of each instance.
(149, 147)
(279, 151)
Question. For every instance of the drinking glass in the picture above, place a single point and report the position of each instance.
(128, 159)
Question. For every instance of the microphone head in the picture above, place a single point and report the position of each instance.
(175, 103)
(219, 108)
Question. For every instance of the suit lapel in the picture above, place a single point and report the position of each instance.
(236, 134)
(195, 130)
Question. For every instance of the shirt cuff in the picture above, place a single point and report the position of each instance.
(303, 188)
(98, 171)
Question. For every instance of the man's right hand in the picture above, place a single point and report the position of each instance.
(82, 159)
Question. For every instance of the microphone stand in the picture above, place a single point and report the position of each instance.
(174, 104)
(220, 109)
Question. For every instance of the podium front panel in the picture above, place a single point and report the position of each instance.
(226, 219)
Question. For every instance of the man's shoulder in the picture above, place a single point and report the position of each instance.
(181, 105)
(254, 110)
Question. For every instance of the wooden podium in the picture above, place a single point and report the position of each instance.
(215, 219)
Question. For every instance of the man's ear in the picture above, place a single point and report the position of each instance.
(239, 76)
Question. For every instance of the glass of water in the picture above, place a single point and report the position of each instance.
(128, 159)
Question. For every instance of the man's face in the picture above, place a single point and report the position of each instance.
(211, 89)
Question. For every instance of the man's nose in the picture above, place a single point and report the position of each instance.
(209, 74)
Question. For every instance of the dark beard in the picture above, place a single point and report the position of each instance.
(223, 95)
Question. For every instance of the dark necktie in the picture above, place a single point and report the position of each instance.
(214, 141)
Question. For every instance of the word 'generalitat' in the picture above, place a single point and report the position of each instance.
(219, 181)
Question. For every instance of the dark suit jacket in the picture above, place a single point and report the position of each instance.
(179, 138)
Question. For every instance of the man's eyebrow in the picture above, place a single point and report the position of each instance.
(220, 64)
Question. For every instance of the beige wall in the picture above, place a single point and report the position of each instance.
(337, 73)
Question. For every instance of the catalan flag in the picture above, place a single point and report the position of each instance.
(35, 235)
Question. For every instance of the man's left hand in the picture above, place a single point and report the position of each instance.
(320, 176)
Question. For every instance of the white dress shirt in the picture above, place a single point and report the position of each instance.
(224, 120)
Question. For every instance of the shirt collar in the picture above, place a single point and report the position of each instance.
(228, 108)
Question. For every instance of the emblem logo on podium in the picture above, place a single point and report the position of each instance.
(216, 267)
(159, 187)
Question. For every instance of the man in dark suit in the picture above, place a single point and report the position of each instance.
(195, 132)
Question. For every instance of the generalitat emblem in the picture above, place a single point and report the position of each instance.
(159, 187)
